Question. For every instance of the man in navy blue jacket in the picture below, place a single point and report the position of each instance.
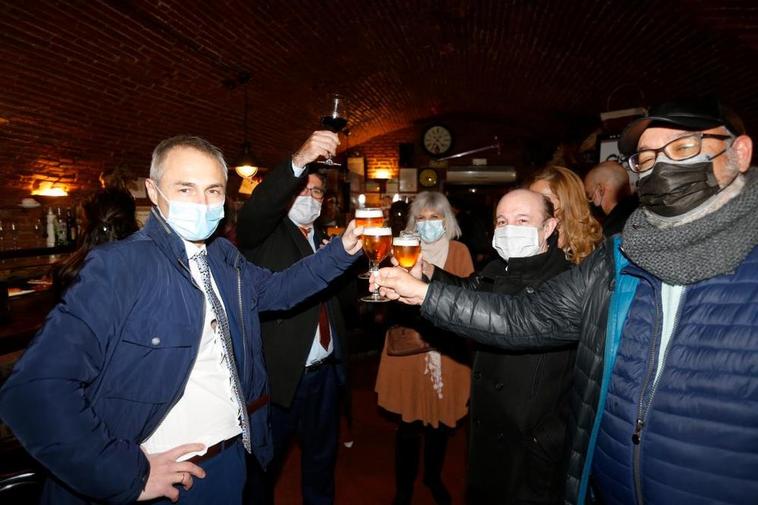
(147, 380)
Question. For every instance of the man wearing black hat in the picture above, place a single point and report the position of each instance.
(665, 402)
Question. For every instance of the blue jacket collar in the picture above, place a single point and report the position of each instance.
(172, 245)
(165, 237)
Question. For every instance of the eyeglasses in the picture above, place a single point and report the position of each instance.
(679, 149)
(315, 192)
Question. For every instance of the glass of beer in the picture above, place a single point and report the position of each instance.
(406, 249)
(377, 243)
(368, 217)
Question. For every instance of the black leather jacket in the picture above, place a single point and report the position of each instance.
(572, 306)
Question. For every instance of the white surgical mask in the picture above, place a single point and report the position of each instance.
(192, 221)
(430, 230)
(305, 210)
(516, 241)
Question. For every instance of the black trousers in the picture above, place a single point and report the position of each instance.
(312, 419)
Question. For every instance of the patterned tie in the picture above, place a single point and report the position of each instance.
(325, 334)
(222, 328)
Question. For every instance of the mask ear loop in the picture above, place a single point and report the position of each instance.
(711, 158)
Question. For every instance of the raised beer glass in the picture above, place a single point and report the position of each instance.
(368, 217)
(377, 243)
(406, 249)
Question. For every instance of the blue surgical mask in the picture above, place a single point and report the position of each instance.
(192, 221)
(430, 230)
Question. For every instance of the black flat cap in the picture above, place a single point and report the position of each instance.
(690, 115)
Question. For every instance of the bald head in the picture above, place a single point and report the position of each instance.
(606, 184)
(523, 202)
(522, 207)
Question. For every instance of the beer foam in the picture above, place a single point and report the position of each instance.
(377, 231)
(405, 241)
(369, 213)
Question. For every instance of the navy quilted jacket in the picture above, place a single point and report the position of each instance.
(691, 436)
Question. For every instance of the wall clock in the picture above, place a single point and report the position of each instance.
(427, 178)
(437, 140)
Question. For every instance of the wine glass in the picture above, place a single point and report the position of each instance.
(406, 249)
(368, 217)
(377, 243)
(335, 120)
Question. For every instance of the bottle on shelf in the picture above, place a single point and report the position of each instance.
(71, 228)
(60, 228)
(50, 242)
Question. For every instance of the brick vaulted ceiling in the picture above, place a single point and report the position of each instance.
(97, 83)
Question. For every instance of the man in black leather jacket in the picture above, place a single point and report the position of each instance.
(660, 413)
(519, 400)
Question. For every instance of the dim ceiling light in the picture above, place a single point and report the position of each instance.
(247, 167)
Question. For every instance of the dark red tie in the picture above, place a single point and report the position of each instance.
(325, 334)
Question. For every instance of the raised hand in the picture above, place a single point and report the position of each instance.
(397, 284)
(165, 472)
(320, 143)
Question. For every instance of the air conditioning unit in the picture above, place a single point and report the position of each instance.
(480, 175)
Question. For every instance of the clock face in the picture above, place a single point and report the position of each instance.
(437, 140)
(427, 178)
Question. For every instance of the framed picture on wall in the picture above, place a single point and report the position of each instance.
(355, 165)
(407, 181)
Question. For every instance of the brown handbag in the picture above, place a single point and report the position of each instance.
(402, 341)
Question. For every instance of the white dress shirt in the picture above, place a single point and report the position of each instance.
(207, 411)
(317, 352)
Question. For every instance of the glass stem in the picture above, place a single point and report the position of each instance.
(374, 268)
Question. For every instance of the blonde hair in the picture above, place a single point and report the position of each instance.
(580, 232)
(438, 203)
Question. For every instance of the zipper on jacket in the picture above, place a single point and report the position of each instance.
(644, 406)
(242, 319)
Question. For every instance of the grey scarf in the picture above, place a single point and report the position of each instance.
(713, 245)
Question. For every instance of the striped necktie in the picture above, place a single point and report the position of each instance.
(222, 329)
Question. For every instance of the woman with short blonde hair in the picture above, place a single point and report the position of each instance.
(439, 203)
(578, 232)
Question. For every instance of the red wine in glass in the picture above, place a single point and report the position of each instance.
(335, 120)
(334, 124)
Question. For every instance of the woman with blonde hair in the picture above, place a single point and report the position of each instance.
(427, 382)
(578, 232)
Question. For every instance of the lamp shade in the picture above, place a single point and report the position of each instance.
(247, 166)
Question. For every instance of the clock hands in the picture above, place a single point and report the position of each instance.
(496, 145)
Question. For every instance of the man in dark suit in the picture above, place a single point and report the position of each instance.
(302, 346)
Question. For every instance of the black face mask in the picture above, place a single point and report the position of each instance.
(597, 212)
(675, 188)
